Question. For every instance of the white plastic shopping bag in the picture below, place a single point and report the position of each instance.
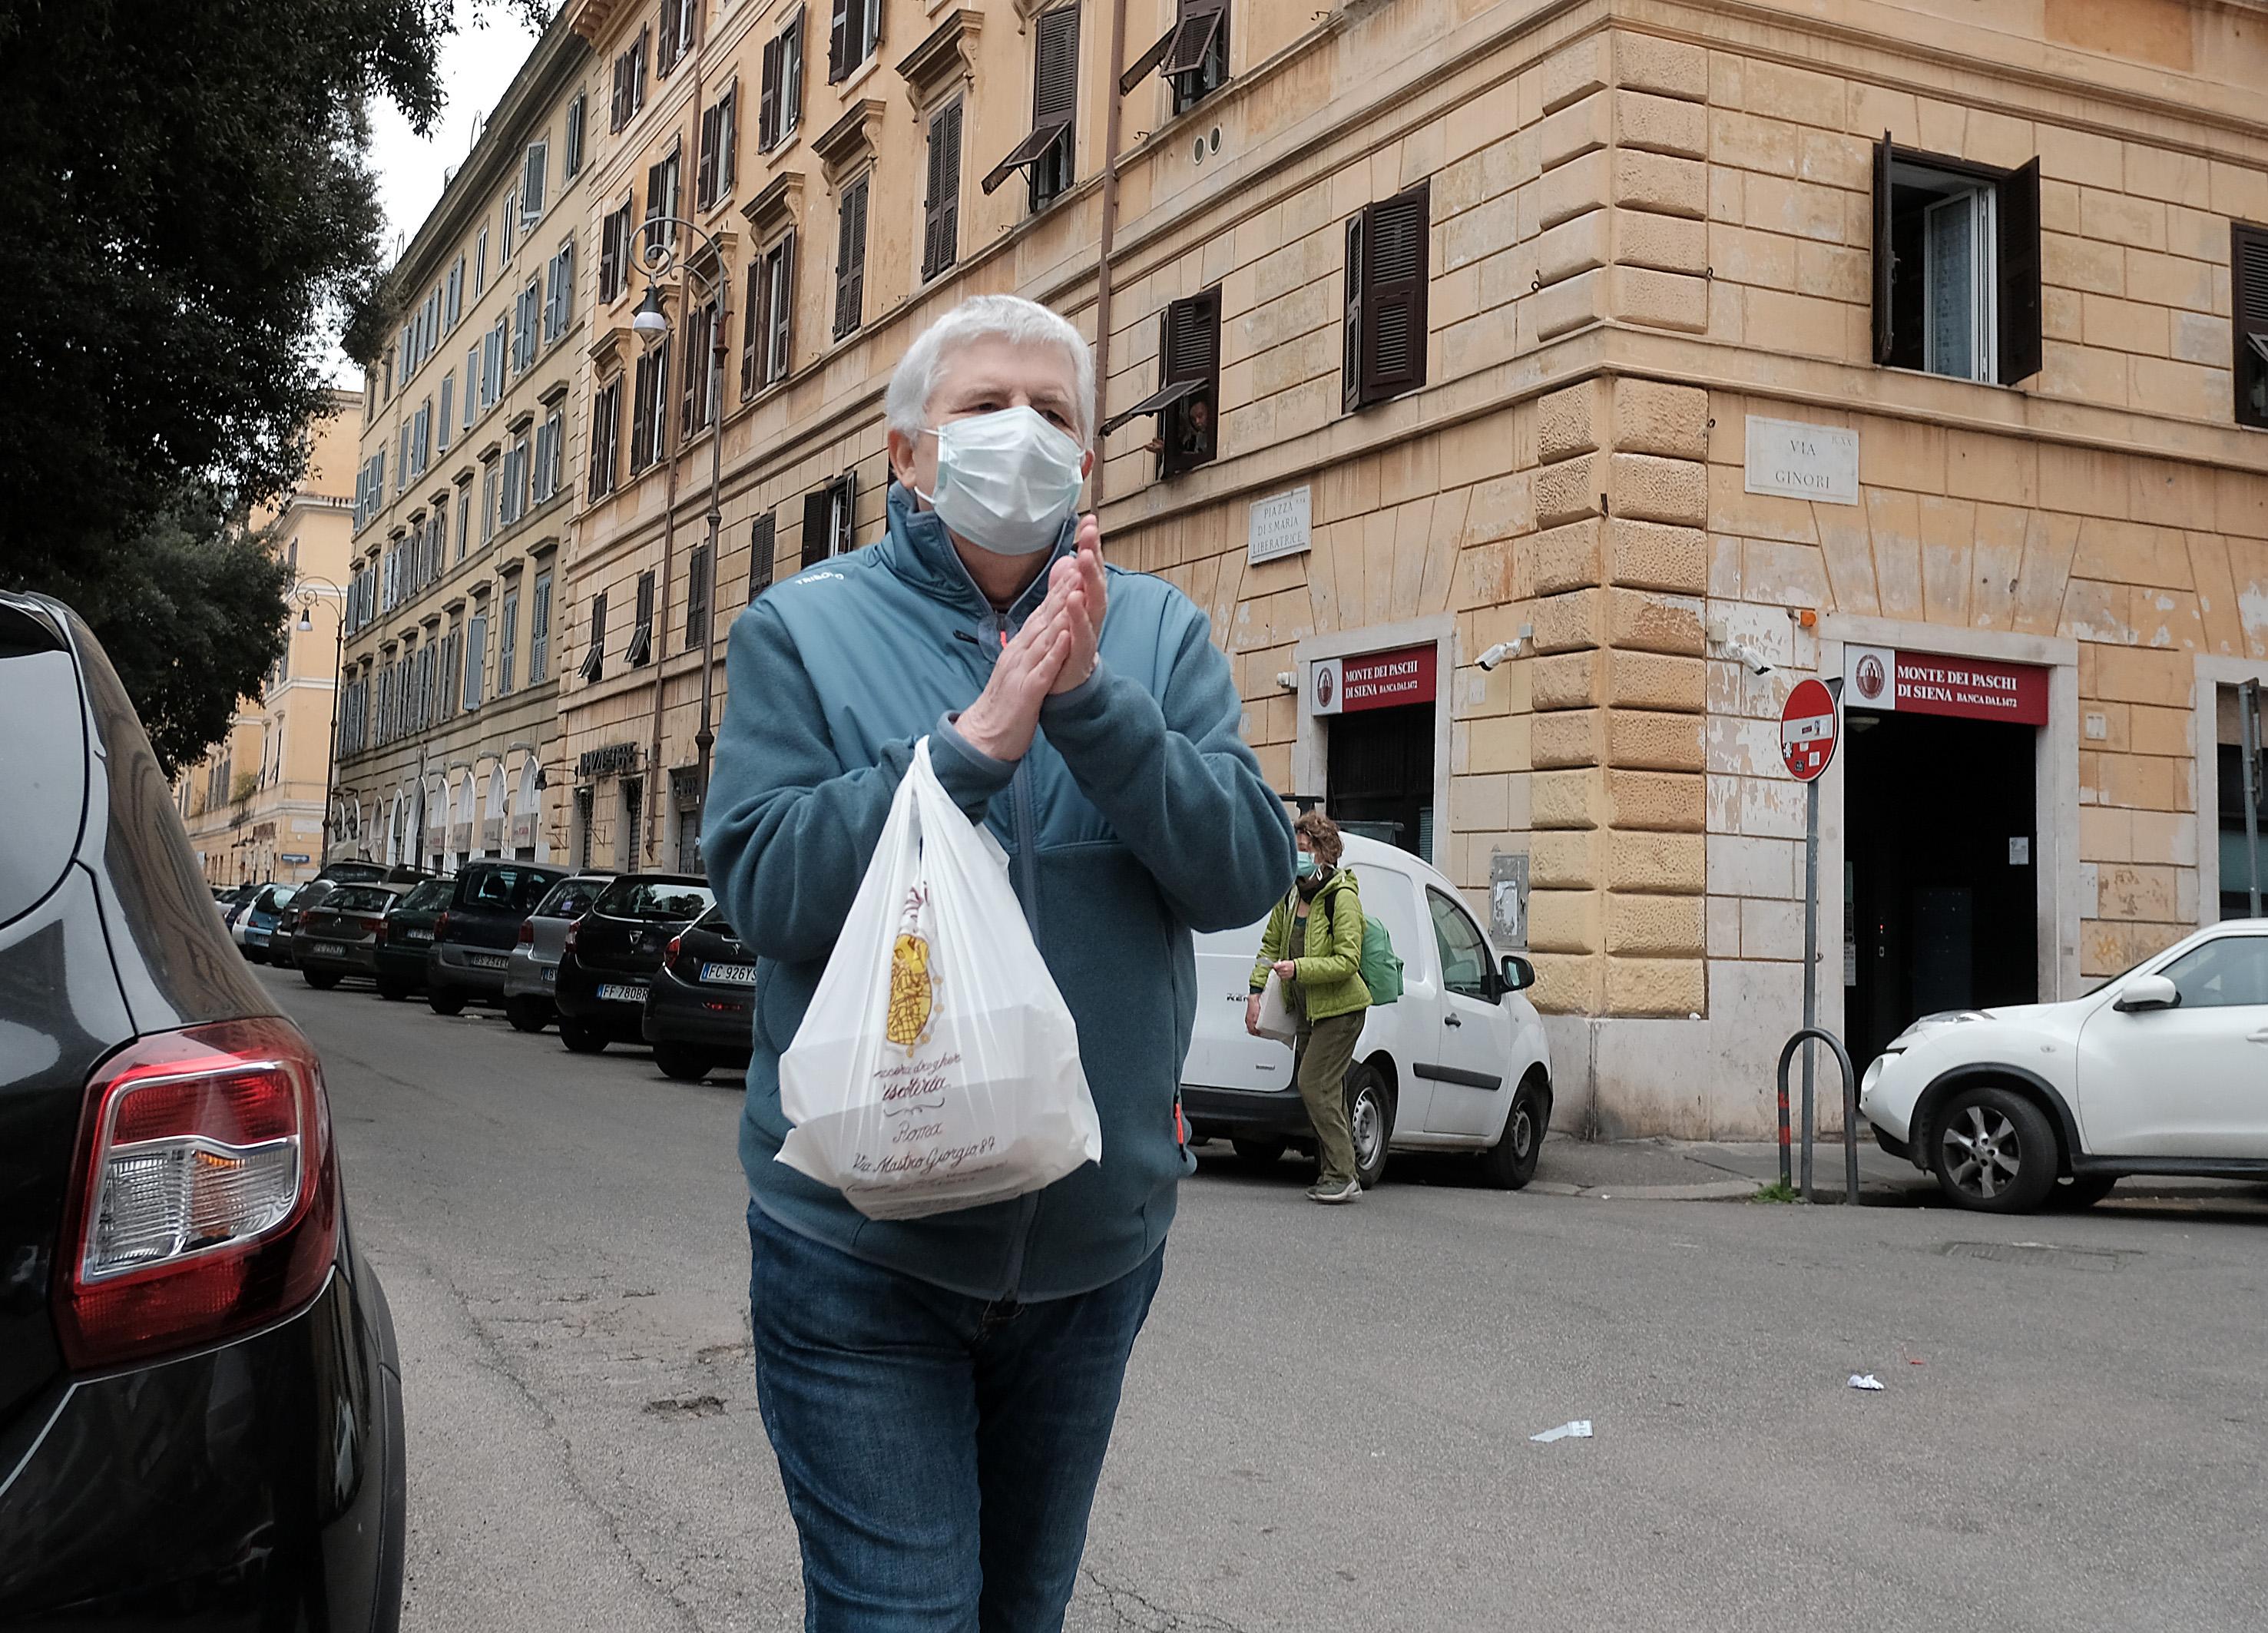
(1277, 1020)
(937, 1066)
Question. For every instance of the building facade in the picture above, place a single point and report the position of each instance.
(253, 806)
(471, 424)
(1532, 393)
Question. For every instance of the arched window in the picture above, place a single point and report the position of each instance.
(492, 813)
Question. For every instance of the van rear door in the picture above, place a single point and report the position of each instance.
(1223, 1055)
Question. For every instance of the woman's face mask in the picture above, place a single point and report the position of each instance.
(1307, 865)
(1006, 481)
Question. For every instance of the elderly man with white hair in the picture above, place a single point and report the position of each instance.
(939, 1391)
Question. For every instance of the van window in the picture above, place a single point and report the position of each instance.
(1464, 953)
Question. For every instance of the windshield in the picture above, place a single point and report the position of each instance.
(656, 899)
(278, 895)
(570, 898)
(506, 889)
(430, 897)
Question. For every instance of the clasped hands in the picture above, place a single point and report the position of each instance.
(1055, 652)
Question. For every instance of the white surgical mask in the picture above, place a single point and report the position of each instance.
(1006, 481)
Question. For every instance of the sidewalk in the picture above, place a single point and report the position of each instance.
(1699, 1171)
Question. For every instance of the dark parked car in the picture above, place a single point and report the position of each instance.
(473, 938)
(405, 936)
(354, 872)
(697, 1008)
(612, 951)
(260, 922)
(200, 1396)
(232, 904)
(338, 936)
(533, 969)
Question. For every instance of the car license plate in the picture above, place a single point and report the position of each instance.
(551, 973)
(742, 974)
(329, 950)
(485, 960)
(622, 991)
(421, 935)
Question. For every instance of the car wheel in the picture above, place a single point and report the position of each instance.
(581, 1039)
(321, 980)
(1993, 1150)
(1370, 1118)
(685, 1065)
(1260, 1153)
(392, 991)
(1510, 1164)
(445, 1002)
(2082, 1191)
(527, 1014)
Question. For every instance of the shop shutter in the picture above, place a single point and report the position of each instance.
(1885, 259)
(941, 232)
(760, 548)
(2016, 216)
(2249, 282)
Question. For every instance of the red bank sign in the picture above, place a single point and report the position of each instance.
(1373, 680)
(1928, 683)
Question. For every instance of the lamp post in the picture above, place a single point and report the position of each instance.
(658, 257)
(306, 592)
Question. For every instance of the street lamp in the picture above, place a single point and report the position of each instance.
(659, 258)
(306, 592)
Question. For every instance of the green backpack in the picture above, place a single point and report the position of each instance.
(1381, 965)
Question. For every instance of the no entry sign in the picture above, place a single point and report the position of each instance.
(1807, 730)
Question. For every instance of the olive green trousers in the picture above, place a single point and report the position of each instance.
(1322, 1056)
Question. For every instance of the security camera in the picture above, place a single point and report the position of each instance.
(1502, 649)
(1742, 652)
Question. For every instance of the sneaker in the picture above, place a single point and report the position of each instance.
(1351, 1191)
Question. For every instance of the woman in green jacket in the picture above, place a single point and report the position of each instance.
(1313, 940)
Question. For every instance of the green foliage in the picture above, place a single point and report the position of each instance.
(1775, 1193)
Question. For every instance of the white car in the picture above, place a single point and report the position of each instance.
(2164, 1069)
(1460, 1063)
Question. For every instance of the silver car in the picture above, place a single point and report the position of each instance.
(531, 971)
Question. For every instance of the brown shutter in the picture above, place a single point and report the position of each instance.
(1350, 316)
(1394, 294)
(941, 228)
(704, 175)
(838, 41)
(2248, 255)
(2016, 217)
(641, 395)
(1055, 67)
(752, 327)
(816, 506)
(761, 548)
(1886, 259)
(1190, 354)
(768, 119)
(1147, 63)
(728, 139)
(782, 358)
(850, 261)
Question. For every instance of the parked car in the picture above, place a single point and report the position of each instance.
(697, 1008)
(531, 969)
(405, 935)
(338, 937)
(2164, 1069)
(200, 1396)
(258, 926)
(609, 955)
(304, 901)
(1460, 1063)
(473, 937)
(233, 904)
(350, 871)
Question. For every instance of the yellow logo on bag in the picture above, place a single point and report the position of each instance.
(910, 995)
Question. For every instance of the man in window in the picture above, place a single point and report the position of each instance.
(939, 1391)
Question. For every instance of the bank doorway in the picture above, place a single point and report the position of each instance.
(1380, 772)
(1941, 869)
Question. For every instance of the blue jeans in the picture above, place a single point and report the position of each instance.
(939, 1452)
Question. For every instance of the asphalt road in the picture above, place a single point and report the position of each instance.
(1327, 1422)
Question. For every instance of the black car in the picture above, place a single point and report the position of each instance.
(405, 936)
(473, 937)
(612, 951)
(338, 936)
(200, 1396)
(697, 1008)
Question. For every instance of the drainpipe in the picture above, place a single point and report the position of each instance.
(1109, 224)
(660, 639)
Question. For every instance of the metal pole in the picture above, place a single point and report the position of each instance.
(2247, 703)
(705, 739)
(331, 766)
(1810, 962)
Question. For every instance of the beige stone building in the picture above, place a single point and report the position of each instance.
(471, 430)
(254, 805)
(1660, 354)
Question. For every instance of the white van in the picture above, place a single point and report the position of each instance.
(1460, 1063)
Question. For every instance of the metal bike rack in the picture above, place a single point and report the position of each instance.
(1850, 1114)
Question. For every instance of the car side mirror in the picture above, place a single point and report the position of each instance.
(1518, 975)
(2147, 992)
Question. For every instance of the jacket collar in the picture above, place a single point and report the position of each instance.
(920, 551)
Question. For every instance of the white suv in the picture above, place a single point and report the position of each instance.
(2164, 1069)
(1459, 1064)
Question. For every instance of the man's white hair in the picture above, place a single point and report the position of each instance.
(983, 317)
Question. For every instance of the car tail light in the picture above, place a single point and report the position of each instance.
(676, 942)
(574, 930)
(441, 927)
(526, 933)
(379, 932)
(208, 1199)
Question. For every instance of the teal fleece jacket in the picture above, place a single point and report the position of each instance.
(1137, 816)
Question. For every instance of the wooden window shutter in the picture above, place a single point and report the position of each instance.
(1351, 317)
(1055, 73)
(761, 550)
(818, 506)
(1886, 260)
(752, 327)
(1394, 296)
(2016, 218)
(941, 226)
(782, 343)
(2249, 291)
(705, 176)
(767, 120)
(1189, 355)
(838, 42)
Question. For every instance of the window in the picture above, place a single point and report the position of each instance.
(1192, 56)
(526, 314)
(551, 453)
(641, 647)
(857, 30)
(2248, 282)
(464, 516)
(480, 261)
(1464, 953)
(516, 474)
(571, 148)
(440, 533)
(762, 544)
(559, 292)
(538, 629)
(1048, 151)
(767, 325)
(594, 656)
(1187, 400)
(491, 492)
(630, 83)
(535, 177)
(850, 259)
(492, 361)
(452, 304)
(676, 41)
(507, 641)
(472, 355)
(697, 399)
(696, 594)
(1956, 267)
(780, 108)
(649, 408)
(2223, 972)
(1383, 331)
(477, 657)
(606, 431)
(448, 411)
(720, 130)
(826, 518)
(508, 225)
(941, 211)
(662, 195)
